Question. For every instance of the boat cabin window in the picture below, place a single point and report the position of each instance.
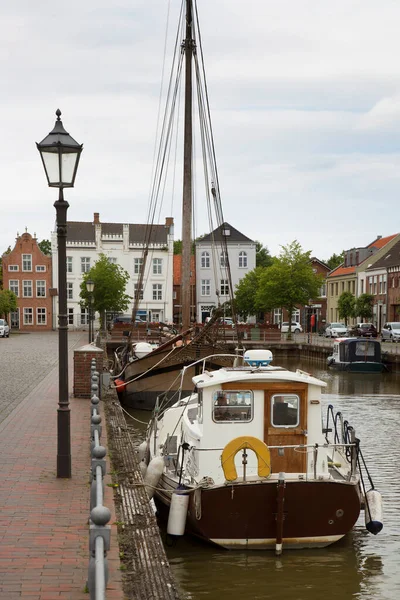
(285, 410)
(230, 405)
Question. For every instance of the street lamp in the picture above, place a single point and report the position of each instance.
(90, 290)
(60, 155)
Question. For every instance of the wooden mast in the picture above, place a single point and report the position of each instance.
(187, 174)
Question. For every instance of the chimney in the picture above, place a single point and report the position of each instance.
(96, 218)
(169, 221)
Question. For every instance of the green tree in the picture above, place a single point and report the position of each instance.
(8, 302)
(289, 282)
(364, 307)
(335, 260)
(346, 304)
(45, 246)
(246, 293)
(263, 257)
(110, 282)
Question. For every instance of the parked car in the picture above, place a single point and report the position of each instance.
(336, 330)
(391, 331)
(364, 330)
(4, 328)
(295, 327)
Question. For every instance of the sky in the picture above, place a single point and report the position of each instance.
(305, 106)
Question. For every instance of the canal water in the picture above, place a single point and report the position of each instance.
(361, 565)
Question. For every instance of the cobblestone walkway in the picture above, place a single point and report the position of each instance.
(44, 536)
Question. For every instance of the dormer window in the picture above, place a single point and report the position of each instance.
(226, 232)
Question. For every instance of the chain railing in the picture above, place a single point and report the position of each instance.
(99, 531)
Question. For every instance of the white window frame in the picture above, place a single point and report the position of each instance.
(70, 290)
(137, 265)
(27, 262)
(242, 259)
(26, 285)
(41, 283)
(13, 285)
(40, 268)
(206, 287)
(85, 264)
(28, 312)
(223, 259)
(69, 264)
(157, 291)
(205, 260)
(70, 316)
(141, 291)
(224, 287)
(41, 312)
(157, 266)
(84, 316)
(13, 267)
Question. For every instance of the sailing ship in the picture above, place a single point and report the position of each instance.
(142, 373)
(247, 461)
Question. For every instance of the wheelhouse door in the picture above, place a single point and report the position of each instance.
(285, 424)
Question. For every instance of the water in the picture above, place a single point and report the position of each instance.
(361, 565)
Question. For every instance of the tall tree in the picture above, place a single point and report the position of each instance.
(8, 302)
(246, 293)
(263, 257)
(110, 282)
(346, 304)
(45, 246)
(289, 282)
(364, 306)
(335, 260)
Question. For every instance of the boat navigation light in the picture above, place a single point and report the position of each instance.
(258, 358)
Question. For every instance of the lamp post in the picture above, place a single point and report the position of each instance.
(60, 155)
(90, 290)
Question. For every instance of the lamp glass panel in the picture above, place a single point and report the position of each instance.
(50, 160)
(68, 162)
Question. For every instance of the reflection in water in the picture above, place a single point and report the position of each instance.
(361, 566)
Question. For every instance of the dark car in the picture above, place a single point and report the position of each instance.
(364, 330)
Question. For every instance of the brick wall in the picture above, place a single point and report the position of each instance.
(82, 373)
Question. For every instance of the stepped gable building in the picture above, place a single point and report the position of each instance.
(351, 275)
(383, 282)
(212, 285)
(28, 273)
(123, 244)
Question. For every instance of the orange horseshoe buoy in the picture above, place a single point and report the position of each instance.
(245, 441)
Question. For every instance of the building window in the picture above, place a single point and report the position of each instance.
(205, 287)
(70, 316)
(69, 264)
(13, 267)
(27, 289)
(242, 259)
(40, 268)
(224, 287)
(157, 291)
(223, 259)
(14, 286)
(112, 260)
(277, 316)
(157, 266)
(322, 291)
(41, 316)
(384, 283)
(84, 316)
(27, 262)
(137, 265)
(28, 316)
(85, 264)
(70, 290)
(205, 260)
(40, 289)
(141, 291)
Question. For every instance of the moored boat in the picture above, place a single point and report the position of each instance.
(361, 355)
(245, 462)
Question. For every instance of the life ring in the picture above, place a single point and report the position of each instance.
(245, 441)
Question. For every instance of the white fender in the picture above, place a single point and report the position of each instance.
(142, 450)
(153, 474)
(143, 468)
(373, 511)
(178, 513)
(141, 349)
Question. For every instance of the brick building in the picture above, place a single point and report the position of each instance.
(28, 273)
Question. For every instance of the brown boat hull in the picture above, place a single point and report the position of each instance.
(238, 516)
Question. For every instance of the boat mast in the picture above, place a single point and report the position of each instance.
(188, 47)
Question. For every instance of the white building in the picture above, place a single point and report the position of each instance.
(211, 266)
(123, 244)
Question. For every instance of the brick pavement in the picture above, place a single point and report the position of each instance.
(44, 520)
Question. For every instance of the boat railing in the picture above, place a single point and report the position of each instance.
(99, 531)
